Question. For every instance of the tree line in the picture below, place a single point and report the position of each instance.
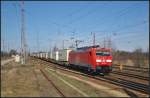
(8, 54)
(138, 57)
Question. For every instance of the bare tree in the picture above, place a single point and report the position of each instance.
(13, 52)
(138, 57)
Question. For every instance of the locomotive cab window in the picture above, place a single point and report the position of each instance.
(102, 53)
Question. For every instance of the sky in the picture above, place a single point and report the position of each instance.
(48, 23)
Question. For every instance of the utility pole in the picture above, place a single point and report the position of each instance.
(23, 40)
(72, 39)
(93, 39)
(38, 45)
(64, 43)
(49, 40)
(104, 43)
(3, 45)
(50, 48)
(109, 43)
(8, 47)
(77, 42)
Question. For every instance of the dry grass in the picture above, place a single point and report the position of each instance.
(131, 63)
(84, 87)
(66, 90)
(24, 81)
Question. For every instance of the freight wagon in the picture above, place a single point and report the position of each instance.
(55, 55)
(63, 56)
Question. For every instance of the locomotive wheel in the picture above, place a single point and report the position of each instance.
(106, 73)
(89, 70)
(101, 74)
(66, 65)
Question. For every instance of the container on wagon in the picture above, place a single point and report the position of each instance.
(55, 55)
(40, 55)
(46, 55)
(50, 55)
(64, 55)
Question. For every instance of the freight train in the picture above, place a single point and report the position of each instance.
(92, 58)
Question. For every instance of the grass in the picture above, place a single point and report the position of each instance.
(91, 91)
(18, 80)
(66, 90)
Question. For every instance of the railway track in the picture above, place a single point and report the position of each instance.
(131, 75)
(117, 81)
(129, 84)
(134, 69)
(58, 90)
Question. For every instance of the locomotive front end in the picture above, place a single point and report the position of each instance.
(103, 60)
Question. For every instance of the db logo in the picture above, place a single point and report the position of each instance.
(103, 61)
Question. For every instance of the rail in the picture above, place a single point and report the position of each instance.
(61, 94)
(124, 83)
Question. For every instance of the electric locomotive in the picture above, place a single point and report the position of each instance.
(93, 58)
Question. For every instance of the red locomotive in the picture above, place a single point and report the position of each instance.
(93, 58)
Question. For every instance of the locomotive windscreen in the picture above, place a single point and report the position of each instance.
(102, 53)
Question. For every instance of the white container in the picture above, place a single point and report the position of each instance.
(55, 55)
(17, 58)
(40, 55)
(46, 55)
(50, 55)
(64, 55)
(43, 55)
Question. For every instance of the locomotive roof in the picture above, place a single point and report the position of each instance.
(87, 47)
(97, 47)
(103, 49)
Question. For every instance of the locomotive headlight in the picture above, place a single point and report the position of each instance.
(98, 60)
(108, 60)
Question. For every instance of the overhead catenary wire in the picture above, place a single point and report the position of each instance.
(81, 17)
(129, 36)
(75, 19)
(65, 25)
(131, 26)
(16, 6)
(85, 34)
(127, 27)
(3, 38)
(76, 11)
(119, 14)
(38, 43)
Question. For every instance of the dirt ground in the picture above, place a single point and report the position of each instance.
(4, 58)
(24, 80)
(27, 81)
